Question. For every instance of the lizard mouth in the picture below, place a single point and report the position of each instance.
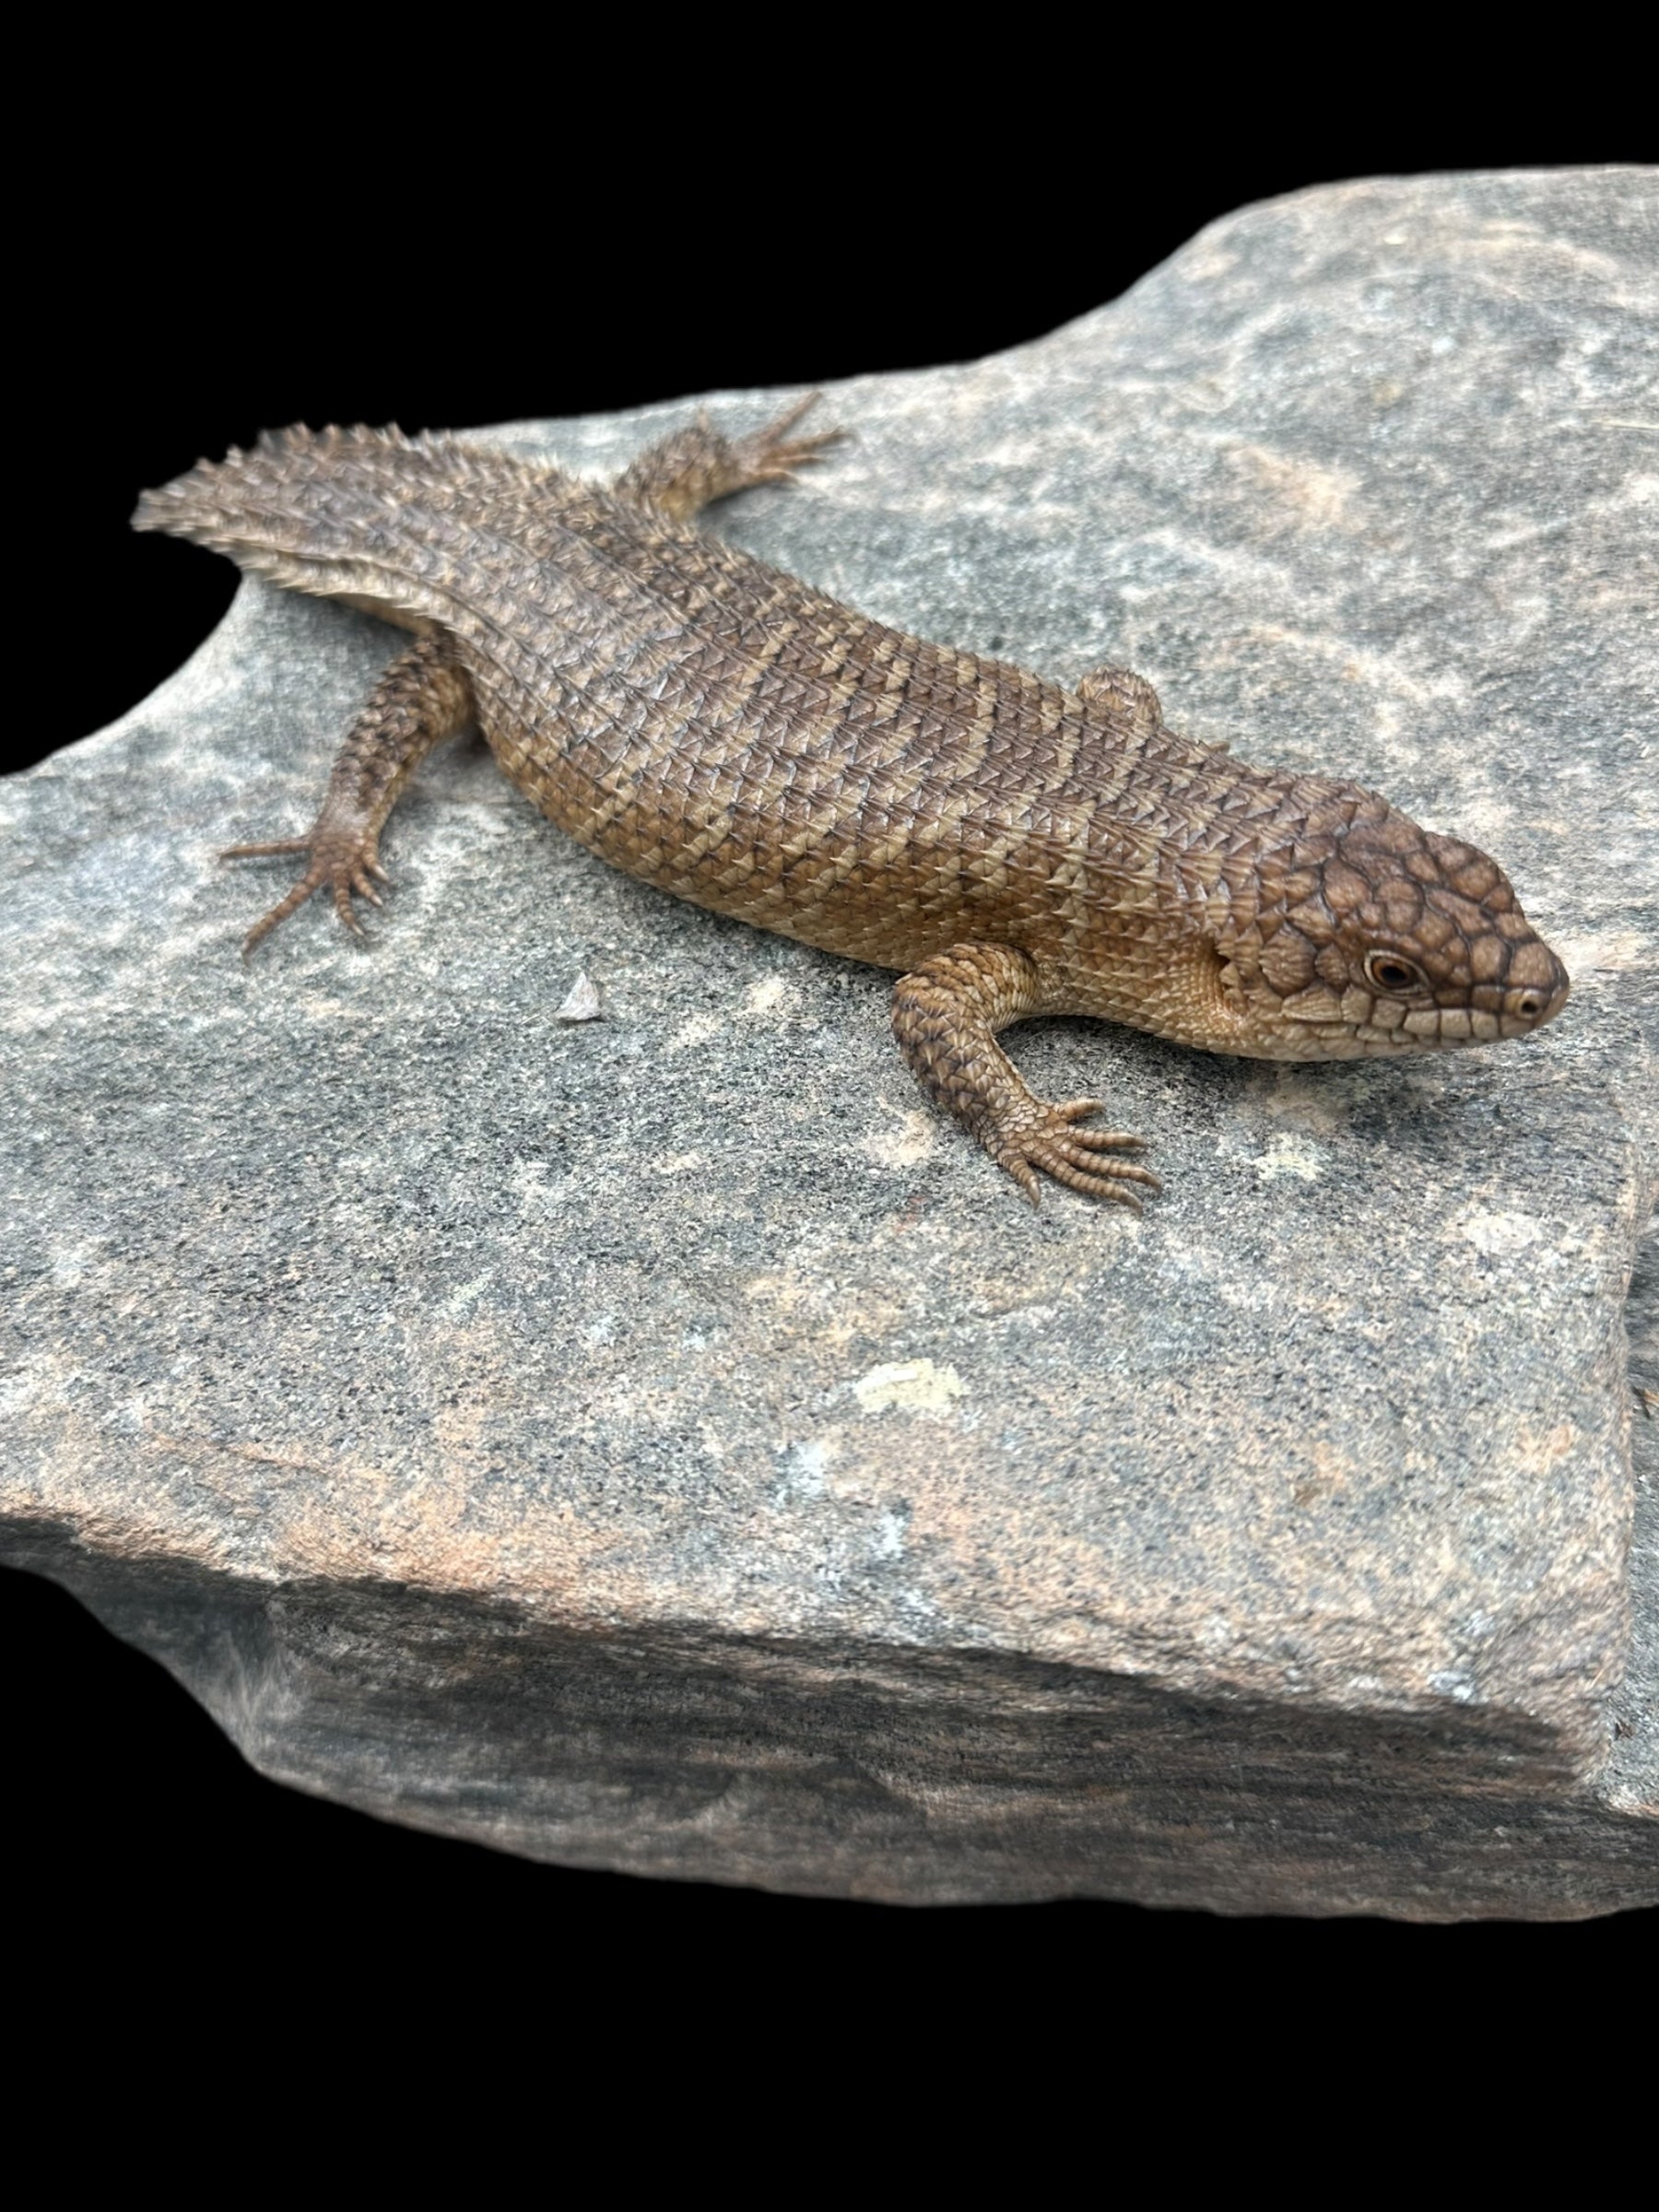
(1322, 1023)
(1326, 1023)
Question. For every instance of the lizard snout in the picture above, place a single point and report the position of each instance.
(1539, 987)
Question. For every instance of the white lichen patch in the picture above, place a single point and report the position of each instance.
(802, 1466)
(909, 1385)
(1296, 1158)
(1499, 1235)
(771, 995)
(699, 1030)
(462, 1300)
(538, 1196)
(908, 1139)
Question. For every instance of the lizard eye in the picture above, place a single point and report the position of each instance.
(1394, 974)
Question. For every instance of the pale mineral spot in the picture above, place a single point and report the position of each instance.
(1613, 952)
(464, 1295)
(771, 995)
(699, 1030)
(910, 1137)
(909, 1385)
(1313, 1109)
(1297, 1158)
(536, 1195)
(802, 1466)
(1302, 493)
(69, 1264)
(1497, 1235)
(886, 1538)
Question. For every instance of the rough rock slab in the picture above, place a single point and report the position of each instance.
(657, 1443)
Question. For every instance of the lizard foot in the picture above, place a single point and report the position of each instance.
(345, 858)
(1072, 1156)
(769, 456)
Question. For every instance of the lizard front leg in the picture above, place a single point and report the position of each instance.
(946, 1016)
(422, 699)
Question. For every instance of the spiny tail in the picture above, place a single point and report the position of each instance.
(327, 512)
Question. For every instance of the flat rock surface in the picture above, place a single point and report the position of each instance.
(659, 1441)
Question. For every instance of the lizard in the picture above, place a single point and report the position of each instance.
(729, 732)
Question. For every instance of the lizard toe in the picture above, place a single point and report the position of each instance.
(771, 456)
(1100, 1140)
(342, 861)
(289, 904)
(1077, 1158)
(287, 844)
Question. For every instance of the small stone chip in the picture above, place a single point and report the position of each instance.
(582, 1003)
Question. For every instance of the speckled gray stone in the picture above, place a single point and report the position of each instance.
(657, 1443)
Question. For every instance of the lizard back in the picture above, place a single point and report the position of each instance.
(732, 735)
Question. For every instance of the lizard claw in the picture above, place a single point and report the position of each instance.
(1073, 1156)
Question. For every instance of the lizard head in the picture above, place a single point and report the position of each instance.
(1383, 937)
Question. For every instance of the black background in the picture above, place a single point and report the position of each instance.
(384, 238)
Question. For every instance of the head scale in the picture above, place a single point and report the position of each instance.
(1372, 935)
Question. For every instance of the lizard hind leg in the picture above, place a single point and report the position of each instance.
(422, 699)
(686, 471)
(945, 1015)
